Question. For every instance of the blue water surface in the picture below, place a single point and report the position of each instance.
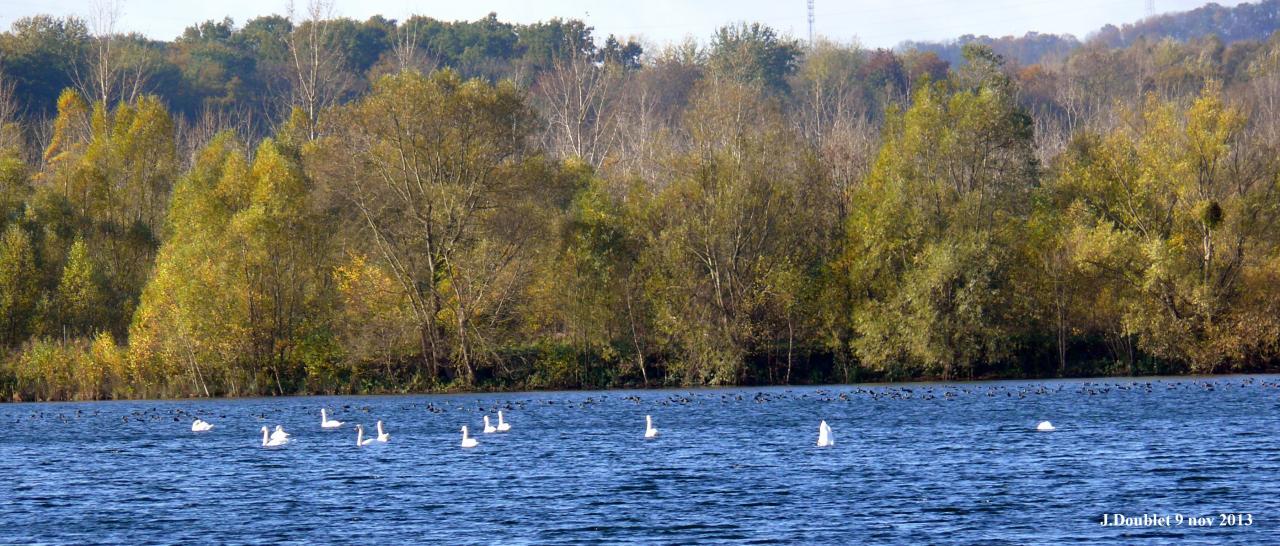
(936, 463)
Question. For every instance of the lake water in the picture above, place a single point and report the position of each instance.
(913, 464)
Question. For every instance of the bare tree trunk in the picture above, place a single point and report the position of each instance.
(408, 52)
(579, 100)
(1062, 332)
(195, 368)
(107, 80)
(318, 75)
(103, 22)
(275, 370)
(635, 337)
(426, 335)
(460, 313)
(790, 339)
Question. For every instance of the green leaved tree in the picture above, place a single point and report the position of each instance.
(79, 300)
(933, 234)
(19, 286)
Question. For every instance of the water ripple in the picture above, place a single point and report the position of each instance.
(923, 463)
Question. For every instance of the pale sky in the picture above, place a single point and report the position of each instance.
(874, 23)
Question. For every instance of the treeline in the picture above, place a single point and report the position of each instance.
(251, 75)
(754, 211)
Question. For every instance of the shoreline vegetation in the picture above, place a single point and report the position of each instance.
(318, 205)
(499, 389)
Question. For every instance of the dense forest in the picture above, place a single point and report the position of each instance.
(313, 204)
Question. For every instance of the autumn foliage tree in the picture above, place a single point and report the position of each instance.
(308, 206)
(932, 237)
(452, 195)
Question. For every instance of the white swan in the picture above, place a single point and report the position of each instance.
(360, 439)
(382, 436)
(468, 441)
(825, 437)
(279, 433)
(1045, 426)
(268, 441)
(488, 429)
(326, 422)
(200, 425)
(649, 431)
(503, 426)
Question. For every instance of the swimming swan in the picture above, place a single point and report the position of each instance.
(503, 426)
(268, 441)
(279, 433)
(200, 425)
(467, 441)
(488, 429)
(649, 431)
(360, 439)
(825, 438)
(326, 422)
(1045, 426)
(382, 436)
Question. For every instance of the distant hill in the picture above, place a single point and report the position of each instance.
(1249, 21)
(1243, 22)
(1029, 48)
